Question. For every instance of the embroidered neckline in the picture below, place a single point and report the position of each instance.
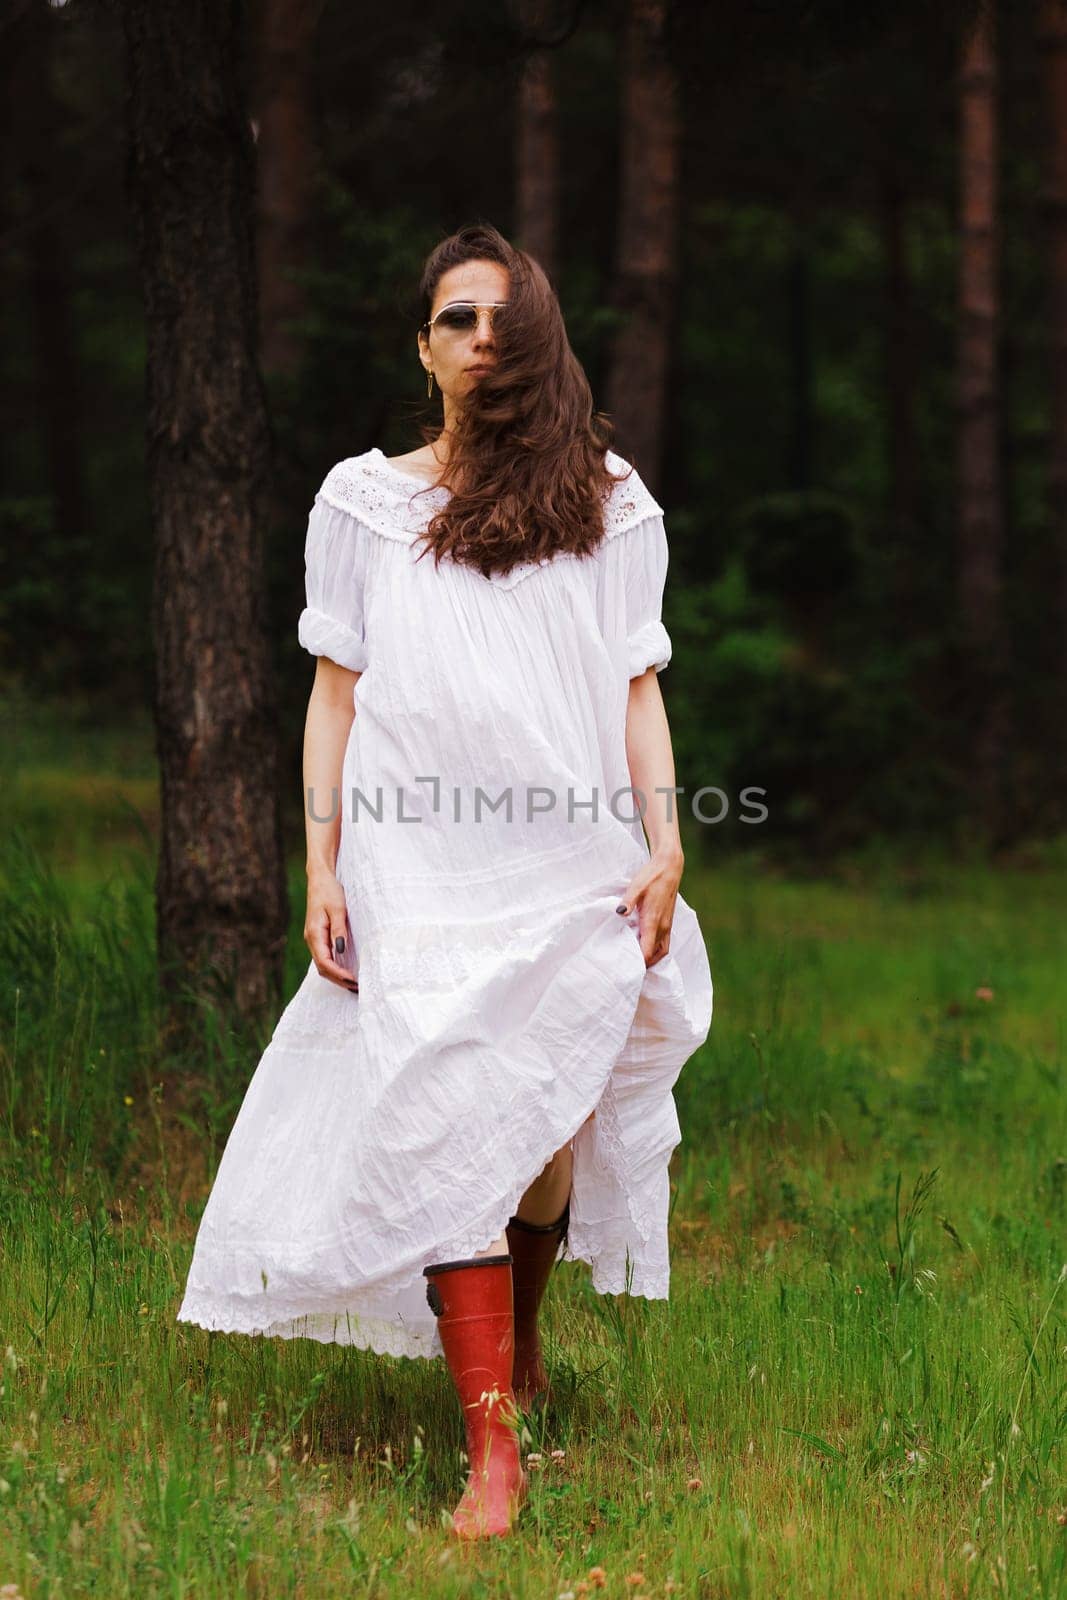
(369, 488)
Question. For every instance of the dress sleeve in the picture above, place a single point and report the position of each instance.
(645, 562)
(335, 558)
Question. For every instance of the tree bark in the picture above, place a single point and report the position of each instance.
(900, 367)
(1052, 26)
(222, 908)
(647, 254)
(980, 513)
(286, 154)
(58, 383)
(537, 144)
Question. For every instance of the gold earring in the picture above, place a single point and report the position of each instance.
(429, 384)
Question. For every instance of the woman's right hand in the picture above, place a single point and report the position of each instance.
(326, 922)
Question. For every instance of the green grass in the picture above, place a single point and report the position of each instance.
(858, 1386)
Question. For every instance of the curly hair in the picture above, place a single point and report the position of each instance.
(527, 468)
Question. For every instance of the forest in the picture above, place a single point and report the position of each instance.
(812, 256)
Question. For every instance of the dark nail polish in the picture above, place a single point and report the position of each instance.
(621, 910)
(339, 944)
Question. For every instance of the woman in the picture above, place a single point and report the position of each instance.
(476, 1072)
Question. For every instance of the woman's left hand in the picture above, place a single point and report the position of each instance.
(654, 891)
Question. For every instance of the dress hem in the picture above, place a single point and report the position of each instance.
(397, 1339)
(625, 1245)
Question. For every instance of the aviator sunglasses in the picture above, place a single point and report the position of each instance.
(461, 316)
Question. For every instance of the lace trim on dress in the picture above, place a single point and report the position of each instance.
(369, 489)
(613, 1270)
(387, 500)
(630, 502)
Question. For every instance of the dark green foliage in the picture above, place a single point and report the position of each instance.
(815, 648)
(800, 548)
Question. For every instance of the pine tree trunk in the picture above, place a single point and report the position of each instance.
(647, 258)
(980, 527)
(537, 145)
(221, 892)
(1053, 57)
(285, 147)
(58, 382)
(900, 365)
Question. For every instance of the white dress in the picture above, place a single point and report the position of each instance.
(502, 999)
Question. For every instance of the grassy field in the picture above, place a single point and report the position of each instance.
(858, 1386)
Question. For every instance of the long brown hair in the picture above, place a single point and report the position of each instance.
(526, 468)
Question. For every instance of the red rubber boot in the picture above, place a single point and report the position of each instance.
(472, 1301)
(533, 1246)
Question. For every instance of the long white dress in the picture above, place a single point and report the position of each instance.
(502, 999)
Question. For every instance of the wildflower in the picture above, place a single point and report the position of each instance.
(983, 992)
(634, 1579)
(127, 1099)
(695, 1483)
(857, 1289)
(559, 1455)
(597, 1577)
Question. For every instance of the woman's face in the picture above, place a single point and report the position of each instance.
(450, 356)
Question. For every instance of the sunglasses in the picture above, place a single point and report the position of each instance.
(461, 316)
